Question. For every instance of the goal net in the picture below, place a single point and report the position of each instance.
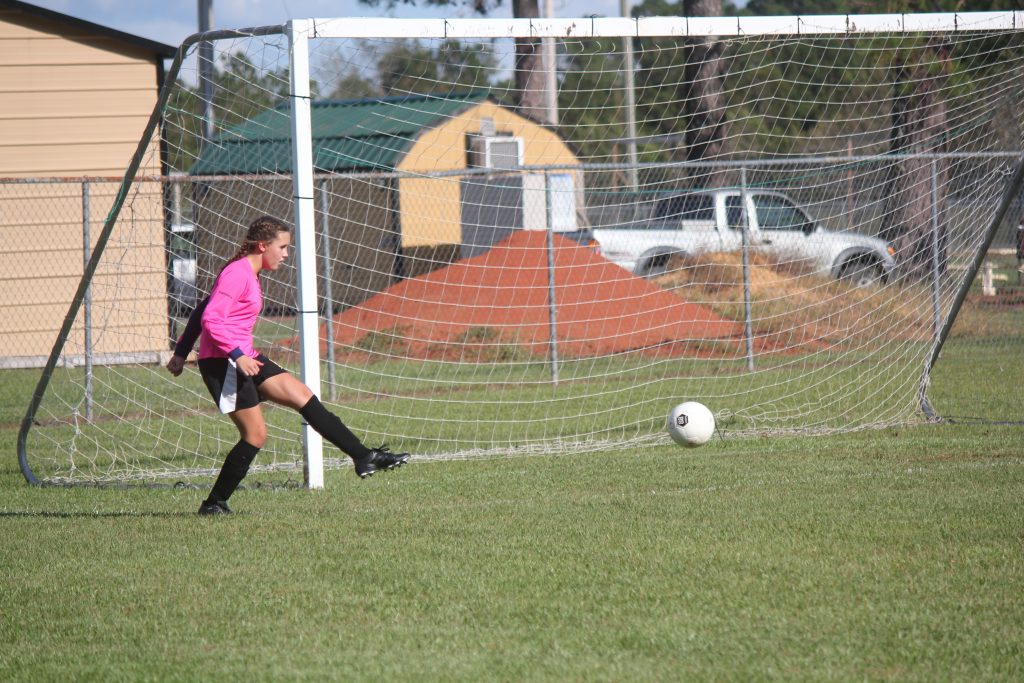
(523, 237)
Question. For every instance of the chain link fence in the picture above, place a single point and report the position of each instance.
(175, 233)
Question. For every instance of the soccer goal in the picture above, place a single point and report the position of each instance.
(521, 237)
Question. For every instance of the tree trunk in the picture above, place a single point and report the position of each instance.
(704, 93)
(918, 126)
(529, 65)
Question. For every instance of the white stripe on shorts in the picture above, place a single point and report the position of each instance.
(229, 390)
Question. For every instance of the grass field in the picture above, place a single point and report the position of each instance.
(893, 554)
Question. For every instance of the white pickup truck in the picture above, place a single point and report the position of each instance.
(700, 222)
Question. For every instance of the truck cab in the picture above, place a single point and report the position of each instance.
(701, 222)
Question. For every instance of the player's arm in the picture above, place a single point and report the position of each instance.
(188, 338)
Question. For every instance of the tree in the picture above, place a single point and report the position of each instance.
(407, 67)
(529, 71)
(703, 93)
(241, 91)
(681, 86)
(351, 85)
(592, 72)
(410, 66)
(919, 126)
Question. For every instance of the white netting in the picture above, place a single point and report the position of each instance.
(779, 228)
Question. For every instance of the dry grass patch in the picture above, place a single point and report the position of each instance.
(792, 306)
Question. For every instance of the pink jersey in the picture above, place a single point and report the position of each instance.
(235, 303)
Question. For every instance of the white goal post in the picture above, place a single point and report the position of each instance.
(789, 237)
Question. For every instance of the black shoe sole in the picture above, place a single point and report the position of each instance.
(212, 511)
(364, 475)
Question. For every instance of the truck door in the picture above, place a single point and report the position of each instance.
(781, 225)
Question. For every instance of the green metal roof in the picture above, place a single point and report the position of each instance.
(365, 135)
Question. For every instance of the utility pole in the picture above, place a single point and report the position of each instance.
(206, 71)
(550, 70)
(630, 87)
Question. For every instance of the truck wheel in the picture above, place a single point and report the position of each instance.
(655, 265)
(862, 272)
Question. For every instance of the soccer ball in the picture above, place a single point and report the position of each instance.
(691, 424)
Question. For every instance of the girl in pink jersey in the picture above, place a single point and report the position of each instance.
(239, 377)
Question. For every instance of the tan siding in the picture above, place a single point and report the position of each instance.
(121, 336)
(431, 211)
(142, 326)
(38, 303)
(72, 78)
(37, 222)
(37, 276)
(47, 215)
(47, 130)
(41, 260)
(89, 104)
(74, 104)
(45, 266)
(86, 159)
(55, 50)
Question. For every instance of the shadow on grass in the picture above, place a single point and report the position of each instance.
(15, 514)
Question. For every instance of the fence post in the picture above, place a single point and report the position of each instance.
(936, 304)
(552, 311)
(325, 238)
(87, 302)
(748, 325)
(174, 301)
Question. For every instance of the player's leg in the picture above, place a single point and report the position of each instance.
(236, 395)
(252, 430)
(286, 390)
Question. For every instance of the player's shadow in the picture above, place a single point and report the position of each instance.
(43, 514)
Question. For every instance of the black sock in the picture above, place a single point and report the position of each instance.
(235, 467)
(333, 429)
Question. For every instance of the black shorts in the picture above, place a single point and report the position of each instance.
(232, 389)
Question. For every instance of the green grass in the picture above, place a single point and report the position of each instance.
(893, 554)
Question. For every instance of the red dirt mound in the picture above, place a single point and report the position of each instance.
(600, 307)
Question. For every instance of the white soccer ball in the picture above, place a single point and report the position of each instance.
(691, 424)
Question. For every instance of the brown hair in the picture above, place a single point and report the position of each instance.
(263, 229)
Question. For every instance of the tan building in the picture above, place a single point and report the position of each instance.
(75, 98)
(411, 183)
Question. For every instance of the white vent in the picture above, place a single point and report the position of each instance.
(498, 152)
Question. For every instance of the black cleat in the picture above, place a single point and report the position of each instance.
(217, 507)
(379, 459)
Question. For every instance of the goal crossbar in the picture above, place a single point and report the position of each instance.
(670, 27)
